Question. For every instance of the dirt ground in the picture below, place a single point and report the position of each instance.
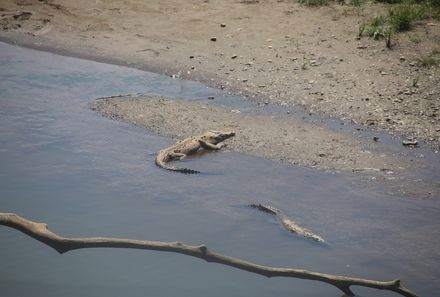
(270, 51)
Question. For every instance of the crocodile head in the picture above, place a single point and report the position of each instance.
(216, 137)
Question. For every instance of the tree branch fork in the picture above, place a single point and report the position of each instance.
(40, 232)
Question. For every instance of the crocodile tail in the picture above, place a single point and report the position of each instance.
(176, 169)
(265, 208)
(184, 170)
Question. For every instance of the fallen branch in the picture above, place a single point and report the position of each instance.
(40, 232)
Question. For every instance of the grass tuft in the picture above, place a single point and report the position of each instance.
(435, 52)
(375, 28)
(400, 17)
(427, 61)
(403, 16)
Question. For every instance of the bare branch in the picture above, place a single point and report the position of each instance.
(40, 232)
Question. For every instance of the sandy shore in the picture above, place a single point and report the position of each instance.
(275, 137)
(274, 51)
(271, 52)
(271, 137)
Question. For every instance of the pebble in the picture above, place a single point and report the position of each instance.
(211, 97)
(410, 142)
(234, 56)
(222, 25)
(213, 39)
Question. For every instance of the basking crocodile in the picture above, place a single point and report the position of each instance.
(288, 223)
(210, 140)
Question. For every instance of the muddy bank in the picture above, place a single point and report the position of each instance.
(272, 137)
(278, 138)
(274, 51)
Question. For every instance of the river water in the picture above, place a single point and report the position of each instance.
(86, 175)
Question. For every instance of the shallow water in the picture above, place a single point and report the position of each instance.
(86, 175)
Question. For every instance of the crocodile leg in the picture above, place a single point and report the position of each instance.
(177, 156)
(210, 146)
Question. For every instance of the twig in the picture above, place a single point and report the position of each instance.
(40, 232)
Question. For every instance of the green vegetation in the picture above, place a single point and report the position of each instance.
(304, 64)
(405, 12)
(376, 27)
(415, 39)
(430, 59)
(435, 51)
(427, 61)
(415, 82)
(357, 3)
(388, 34)
(402, 13)
(401, 16)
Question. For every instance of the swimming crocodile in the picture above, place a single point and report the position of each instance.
(288, 223)
(211, 140)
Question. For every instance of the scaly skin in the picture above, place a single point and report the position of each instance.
(211, 140)
(288, 223)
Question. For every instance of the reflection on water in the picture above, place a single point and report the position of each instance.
(89, 176)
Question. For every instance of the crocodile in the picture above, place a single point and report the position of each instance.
(211, 140)
(288, 223)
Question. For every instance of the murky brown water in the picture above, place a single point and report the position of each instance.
(89, 176)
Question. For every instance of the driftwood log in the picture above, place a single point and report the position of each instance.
(40, 232)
